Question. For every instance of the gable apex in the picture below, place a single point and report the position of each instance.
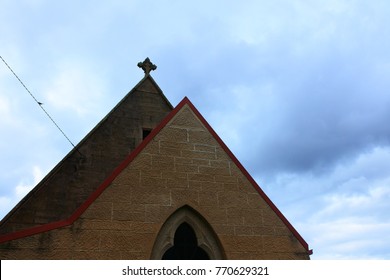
(183, 115)
(92, 160)
(148, 84)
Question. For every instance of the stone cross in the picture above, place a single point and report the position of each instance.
(147, 66)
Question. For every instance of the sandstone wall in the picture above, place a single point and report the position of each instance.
(182, 165)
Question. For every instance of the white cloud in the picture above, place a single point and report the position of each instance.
(360, 202)
(21, 190)
(349, 238)
(342, 214)
(75, 89)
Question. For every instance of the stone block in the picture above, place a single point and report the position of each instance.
(201, 162)
(277, 244)
(99, 210)
(183, 197)
(252, 217)
(170, 151)
(142, 162)
(215, 216)
(174, 175)
(126, 211)
(256, 201)
(214, 170)
(157, 213)
(235, 216)
(176, 145)
(163, 162)
(197, 154)
(243, 231)
(224, 230)
(212, 186)
(113, 240)
(153, 183)
(151, 196)
(196, 185)
(201, 177)
(62, 238)
(147, 227)
(173, 134)
(208, 198)
(86, 240)
(201, 137)
(153, 173)
(230, 187)
(271, 219)
(246, 244)
(263, 230)
(120, 192)
(177, 183)
(245, 186)
(220, 163)
(282, 230)
(185, 118)
(232, 199)
(183, 160)
(191, 168)
(152, 147)
(221, 154)
(225, 179)
(205, 148)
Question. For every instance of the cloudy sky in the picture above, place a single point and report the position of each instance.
(298, 90)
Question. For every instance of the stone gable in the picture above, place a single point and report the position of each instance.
(78, 175)
(180, 165)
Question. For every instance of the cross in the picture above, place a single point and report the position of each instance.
(147, 66)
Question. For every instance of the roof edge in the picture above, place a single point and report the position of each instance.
(251, 180)
(79, 211)
(76, 148)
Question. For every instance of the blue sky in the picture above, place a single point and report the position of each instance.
(298, 90)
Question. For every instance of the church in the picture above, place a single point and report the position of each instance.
(150, 181)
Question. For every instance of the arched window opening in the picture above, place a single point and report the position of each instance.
(187, 235)
(185, 246)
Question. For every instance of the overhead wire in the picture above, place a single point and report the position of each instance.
(40, 104)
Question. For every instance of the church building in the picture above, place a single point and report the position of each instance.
(150, 181)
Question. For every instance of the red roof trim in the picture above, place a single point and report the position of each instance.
(100, 189)
(251, 180)
(130, 158)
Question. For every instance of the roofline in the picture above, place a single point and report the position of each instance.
(250, 178)
(76, 148)
(80, 210)
(77, 213)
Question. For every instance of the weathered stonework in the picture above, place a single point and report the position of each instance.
(184, 165)
(78, 175)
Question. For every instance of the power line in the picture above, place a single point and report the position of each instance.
(39, 103)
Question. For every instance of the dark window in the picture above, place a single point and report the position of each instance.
(145, 132)
(185, 246)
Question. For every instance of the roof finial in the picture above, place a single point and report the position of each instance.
(147, 66)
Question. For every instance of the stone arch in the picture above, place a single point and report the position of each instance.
(206, 238)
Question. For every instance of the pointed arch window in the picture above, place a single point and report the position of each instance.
(185, 246)
(186, 235)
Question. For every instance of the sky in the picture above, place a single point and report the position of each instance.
(298, 90)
